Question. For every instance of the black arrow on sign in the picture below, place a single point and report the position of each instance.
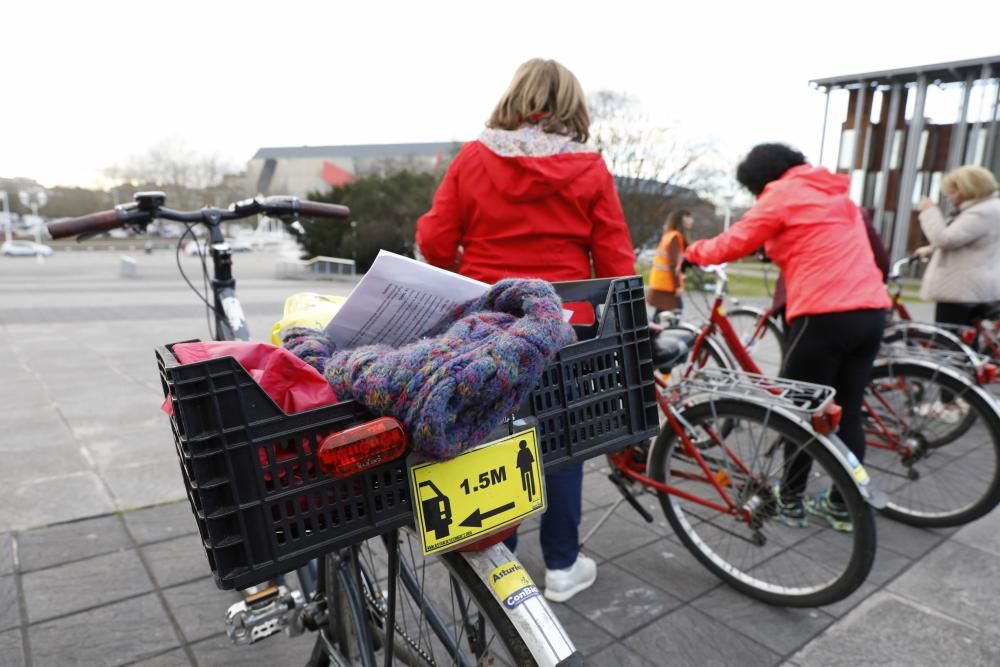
(475, 520)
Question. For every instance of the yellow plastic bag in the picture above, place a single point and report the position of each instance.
(309, 310)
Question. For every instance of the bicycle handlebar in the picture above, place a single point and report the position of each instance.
(95, 222)
(148, 206)
(897, 266)
(320, 210)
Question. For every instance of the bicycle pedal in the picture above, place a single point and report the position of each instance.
(264, 613)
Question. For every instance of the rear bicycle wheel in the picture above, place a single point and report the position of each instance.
(445, 614)
(711, 354)
(792, 565)
(762, 337)
(932, 444)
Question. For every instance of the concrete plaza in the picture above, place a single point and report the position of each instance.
(100, 563)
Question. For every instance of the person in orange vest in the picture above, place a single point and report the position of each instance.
(666, 282)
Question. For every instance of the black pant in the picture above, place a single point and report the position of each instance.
(835, 349)
(964, 314)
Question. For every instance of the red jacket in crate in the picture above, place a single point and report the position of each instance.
(292, 384)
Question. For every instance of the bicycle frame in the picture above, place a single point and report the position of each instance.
(633, 470)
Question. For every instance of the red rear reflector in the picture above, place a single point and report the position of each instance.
(969, 336)
(985, 373)
(828, 420)
(362, 447)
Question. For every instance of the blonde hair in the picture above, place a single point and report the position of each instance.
(544, 92)
(970, 182)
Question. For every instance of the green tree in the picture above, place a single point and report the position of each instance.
(384, 211)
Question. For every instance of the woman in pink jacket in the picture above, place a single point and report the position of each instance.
(836, 300)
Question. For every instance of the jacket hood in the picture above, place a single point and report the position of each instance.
(819, 178)
(529, 164)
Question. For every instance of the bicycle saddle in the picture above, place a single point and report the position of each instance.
(671, 347)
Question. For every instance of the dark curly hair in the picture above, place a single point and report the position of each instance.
(765, 163)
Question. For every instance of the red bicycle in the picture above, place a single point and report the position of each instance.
(718, 468)
(932, 433)
(983, 334)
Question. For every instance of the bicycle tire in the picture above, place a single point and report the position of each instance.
(711, 353)
(421, 647)
(796, 547)
(958, 466)
(768, 347)
(945, 341)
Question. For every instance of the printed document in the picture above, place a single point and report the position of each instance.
(398, 301)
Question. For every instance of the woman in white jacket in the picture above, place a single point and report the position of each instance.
(963, 276)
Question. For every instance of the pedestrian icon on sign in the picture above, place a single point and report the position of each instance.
(524, 464)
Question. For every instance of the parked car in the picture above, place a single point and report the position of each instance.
(24, 249)
(646, 255)
(191, 248)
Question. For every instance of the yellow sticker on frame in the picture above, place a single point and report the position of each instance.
(512, 585)
(477, 493)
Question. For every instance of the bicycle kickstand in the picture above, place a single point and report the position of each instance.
(626, 494)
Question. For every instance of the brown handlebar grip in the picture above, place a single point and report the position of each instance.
(95, 222)
(320, 210)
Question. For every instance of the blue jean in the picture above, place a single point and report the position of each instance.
(559, 533)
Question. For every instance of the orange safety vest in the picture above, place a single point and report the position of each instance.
(662, 275)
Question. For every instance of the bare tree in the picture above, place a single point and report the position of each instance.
(655, 167)
(189, 178)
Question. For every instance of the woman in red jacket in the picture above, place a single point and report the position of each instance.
(836, 300)
(529, 200)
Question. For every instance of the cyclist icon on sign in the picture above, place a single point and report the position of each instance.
(524, 464)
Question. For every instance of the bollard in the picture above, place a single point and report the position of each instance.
(129, 267)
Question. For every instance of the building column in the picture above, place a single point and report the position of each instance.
(901, 228)
(888, 143)
(970, 151)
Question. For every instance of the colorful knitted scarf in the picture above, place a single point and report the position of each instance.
(453, 387)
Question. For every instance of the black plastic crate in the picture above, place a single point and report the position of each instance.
(263, 506)
(599, 395)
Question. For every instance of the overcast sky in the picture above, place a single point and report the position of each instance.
(89, 84)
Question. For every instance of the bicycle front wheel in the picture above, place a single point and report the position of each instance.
(444, 613)
(762, 338)
(730, 504)
(932, 444)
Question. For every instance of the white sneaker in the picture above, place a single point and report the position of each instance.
(561, 585)
(949, 413)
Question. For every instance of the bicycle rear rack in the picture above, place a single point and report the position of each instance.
(898, 344)
(802, 397)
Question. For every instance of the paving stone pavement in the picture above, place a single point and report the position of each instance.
(100, 562)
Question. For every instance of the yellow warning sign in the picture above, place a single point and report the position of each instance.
(478, 492)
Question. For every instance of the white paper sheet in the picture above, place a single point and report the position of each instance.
(397, 301)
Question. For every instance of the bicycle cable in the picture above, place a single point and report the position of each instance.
(189, 230)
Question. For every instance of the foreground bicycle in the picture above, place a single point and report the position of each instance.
(932, 433)
(260, 483)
